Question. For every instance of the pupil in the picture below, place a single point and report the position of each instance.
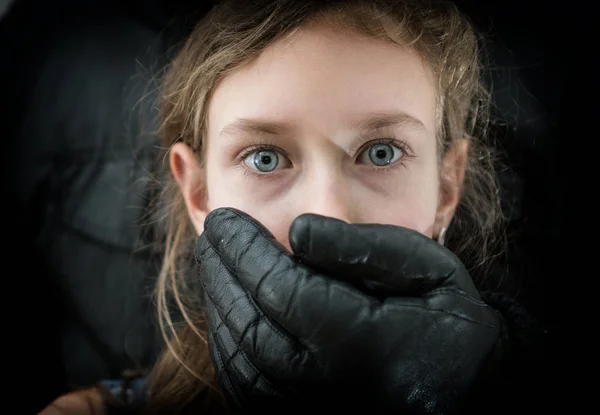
(266, 161)
(381, 154)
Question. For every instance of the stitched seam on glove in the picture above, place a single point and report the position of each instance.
(290, 339)
(255, 322)
(458, 316)
(456, 292)
(225, 375)
(239, 351)
(260, 315)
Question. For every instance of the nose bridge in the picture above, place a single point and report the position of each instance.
(328, 193)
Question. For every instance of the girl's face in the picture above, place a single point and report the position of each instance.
(324, 122)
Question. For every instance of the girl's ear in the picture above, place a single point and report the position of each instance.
(452, 176)
(191, 178)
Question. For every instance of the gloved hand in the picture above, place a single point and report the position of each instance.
(358, 315)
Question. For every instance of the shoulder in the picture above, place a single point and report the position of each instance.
(87, 401)
(119, 396)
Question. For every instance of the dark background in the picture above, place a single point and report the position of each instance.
(72, 77)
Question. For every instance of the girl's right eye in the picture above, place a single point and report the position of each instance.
(263, 160)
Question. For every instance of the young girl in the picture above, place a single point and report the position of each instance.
(366, 111)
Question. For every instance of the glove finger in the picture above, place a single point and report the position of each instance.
(269, 346)
(388, 260)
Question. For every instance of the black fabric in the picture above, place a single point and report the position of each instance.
(81, 128)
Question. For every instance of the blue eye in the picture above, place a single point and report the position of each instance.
(264, 161)
(381, 154)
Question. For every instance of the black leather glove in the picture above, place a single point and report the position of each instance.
(359, 315)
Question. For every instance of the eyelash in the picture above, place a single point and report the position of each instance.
(406, 154)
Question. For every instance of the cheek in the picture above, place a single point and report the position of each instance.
(413, 205)
(417, 216)
(270, 214)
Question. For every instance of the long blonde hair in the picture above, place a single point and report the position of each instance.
(234, 33)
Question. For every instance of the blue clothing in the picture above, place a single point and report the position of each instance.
(130, 393)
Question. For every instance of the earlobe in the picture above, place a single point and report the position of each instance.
(191, 179)
(451, 181)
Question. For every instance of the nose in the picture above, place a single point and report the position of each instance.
(329, 196)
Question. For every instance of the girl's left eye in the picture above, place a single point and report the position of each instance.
(380, 154)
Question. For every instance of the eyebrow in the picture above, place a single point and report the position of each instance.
(379, 120)
(370, 122)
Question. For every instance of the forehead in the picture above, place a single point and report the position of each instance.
(325, 77)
